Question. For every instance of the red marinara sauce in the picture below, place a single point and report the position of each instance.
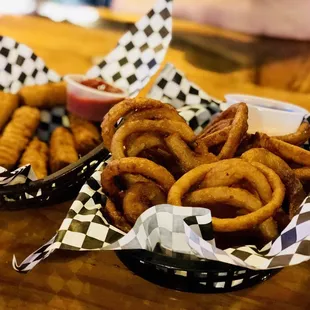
(101, 85)
(91, 105)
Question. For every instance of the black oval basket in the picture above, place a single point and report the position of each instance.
(191, 275)
(58, 187)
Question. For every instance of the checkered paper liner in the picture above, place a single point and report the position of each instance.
(129, 66)
(180, 231)
(183, 230)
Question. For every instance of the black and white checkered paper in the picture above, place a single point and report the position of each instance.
(196, 106)
(20, 66)
(179, 231)
(139, 52)
(132, 63)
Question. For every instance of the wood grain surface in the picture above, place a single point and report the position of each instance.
(98, 280)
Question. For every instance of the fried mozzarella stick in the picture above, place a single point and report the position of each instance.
(17, 135)
(62, 150)
(8, 104)
(86, 135)
(36, 155)
(44, 96)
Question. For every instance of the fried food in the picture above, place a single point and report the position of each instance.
(139, 197)
(239, 127)
(224, 123)
(231, 135)
(44, 96)
(294, 188)
(215, 138)
(285, 150)
(303, 174)
(62, 149)
(299, 137)
(229, 172)
(236, 197)
(128, 179)
(227, 114)
(163, 158)
(145, 141)
(155, 114)
(86, 135)
(248, 221)
(249, 141)
(121, 110)
(17, 135)
(153, 139)
(36, 155)
(116, 217)
(269, 229)
(162, 126)
(134, 165)
(187, 158)
(8, 104)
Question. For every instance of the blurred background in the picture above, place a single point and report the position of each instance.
(262, 41)
(282, 18)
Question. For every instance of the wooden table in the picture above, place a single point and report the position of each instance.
(98, 280)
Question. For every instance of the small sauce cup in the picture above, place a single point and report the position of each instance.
(88, 102)
(269, 116)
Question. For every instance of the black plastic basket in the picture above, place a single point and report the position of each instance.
(200, 276)
(60, 186)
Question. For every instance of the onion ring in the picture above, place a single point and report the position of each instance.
(134, 165)
(200, 148)
(187, 158)
(243, 222)
(140, 197)
(229, 172)
(294, 188)
(117, 219)
(299, 137)
(303, 174)
(224, 123)
(236, 197)
(221, 124)
(163, 126)
(129, 179)
(231, 134)
(144, 142)
(239, 127)
(228, 113)
(248, 142)
(163, 158)
(215, 138)
(285, 150)
(155, 114)
(122, 109)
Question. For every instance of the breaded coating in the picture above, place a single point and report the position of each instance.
(8, 104)
(44, 96)
(36, 155)
(17, 135)
(62, 149)
(86, 135)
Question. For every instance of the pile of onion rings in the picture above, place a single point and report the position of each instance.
(157, 158)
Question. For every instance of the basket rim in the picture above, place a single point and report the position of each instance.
(179, 263)
(32, 185)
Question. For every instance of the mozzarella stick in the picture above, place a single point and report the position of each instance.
(17, 134)
(8, 104)
(62, 150)
(36, 155)
(44, 96)
(86, 135)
